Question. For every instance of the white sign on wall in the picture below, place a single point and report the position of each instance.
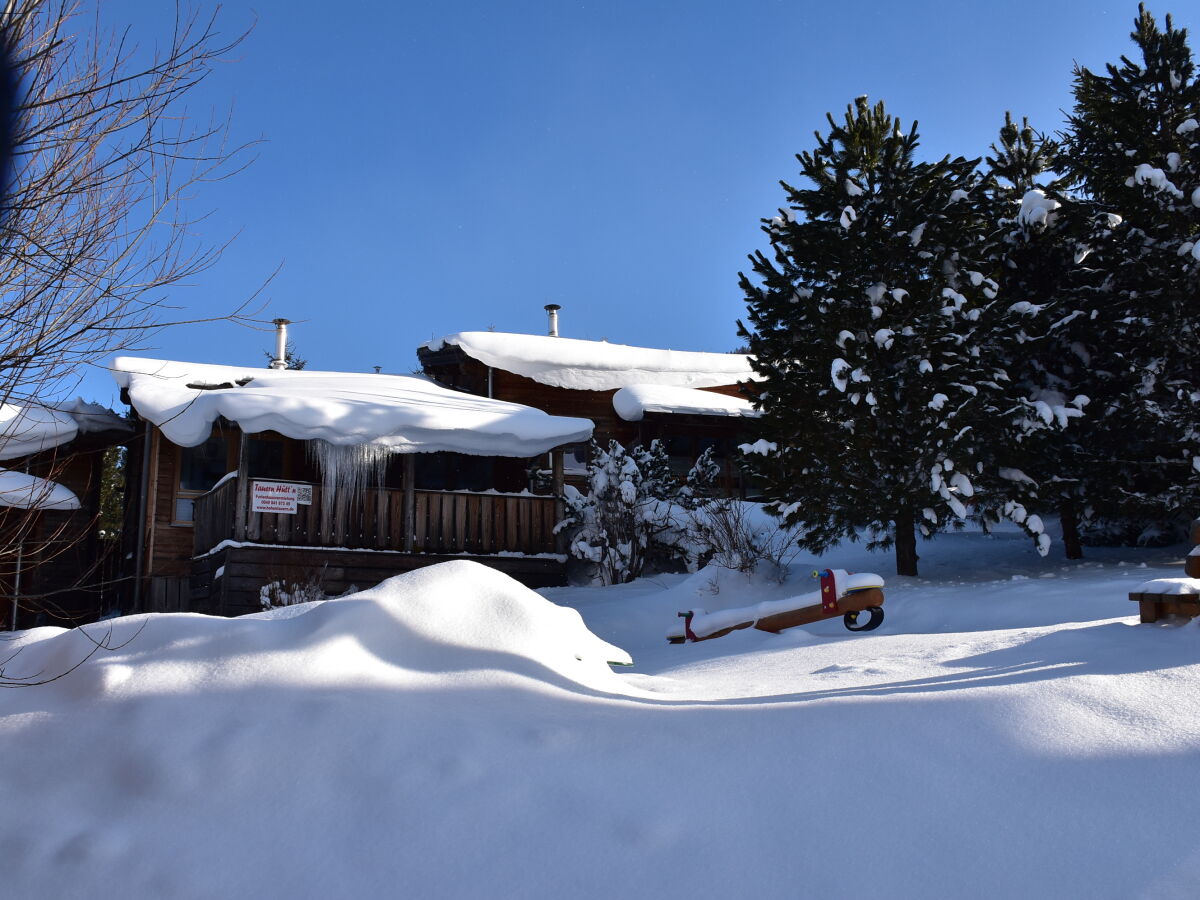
(278, 496)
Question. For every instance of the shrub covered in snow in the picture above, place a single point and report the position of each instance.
(287, 592)
(637, 512)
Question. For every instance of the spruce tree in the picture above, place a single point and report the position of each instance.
(873, 325)
(1133, 147)
(1038, 247)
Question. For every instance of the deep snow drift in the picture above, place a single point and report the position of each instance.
(1010, 731)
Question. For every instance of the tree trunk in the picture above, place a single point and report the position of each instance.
(906, 546)
(1070, 529)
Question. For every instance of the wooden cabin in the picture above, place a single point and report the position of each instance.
(255, 478)
(690, 401)
(57, 567)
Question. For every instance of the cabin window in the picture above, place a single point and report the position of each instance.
(575, 459)
(199, 469)
(265, 457)
(452, 472)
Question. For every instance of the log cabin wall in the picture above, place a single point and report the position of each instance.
(68, 574)
(179, 571)
(454, 368)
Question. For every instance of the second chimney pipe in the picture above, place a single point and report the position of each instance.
(552, 311)
(280, 360)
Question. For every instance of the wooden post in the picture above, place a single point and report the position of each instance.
(243, 488)
(1191, 566)
(560, 507)
(410, 506)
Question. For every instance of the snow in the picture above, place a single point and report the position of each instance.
(1155, 178)
(1187, 126)
(762, 447)
(848, 217)
(597, 365)
(30, 492)
(26, 429)
(633, 402)
(704, 623)
(31, 429)
(396, 413)
(1173, 586)
(838, 374)
(1009, 474)
(1037, 209)
(1009, 731)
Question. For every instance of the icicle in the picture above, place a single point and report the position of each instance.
(348, 470)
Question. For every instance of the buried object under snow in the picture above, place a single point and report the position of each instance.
(842, 593)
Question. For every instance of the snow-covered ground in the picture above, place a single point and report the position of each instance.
(1010, 731)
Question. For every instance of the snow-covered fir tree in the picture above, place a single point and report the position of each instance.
(1133, 148)
(1040, 239)
(635, 510)
(874, 325)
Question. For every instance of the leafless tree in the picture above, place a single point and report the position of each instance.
(96, 221)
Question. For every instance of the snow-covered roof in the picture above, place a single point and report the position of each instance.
(26, 429)
(633, 402)
(30, 492)
(403, 413)
(597, 365)
(30, 429)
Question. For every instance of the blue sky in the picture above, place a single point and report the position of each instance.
(431, 167)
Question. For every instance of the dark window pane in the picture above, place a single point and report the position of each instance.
(202, 467)
(266, 458)
(431, 471)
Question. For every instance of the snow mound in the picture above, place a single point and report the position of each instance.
(597, 365)
(457, 620)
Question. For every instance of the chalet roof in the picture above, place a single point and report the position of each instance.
(31, 428)
(30, 492)
(402, 413)
(596, 365)
(633, 402)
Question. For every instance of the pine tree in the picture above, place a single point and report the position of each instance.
(1038, 250)
(873, 326)
(1133, 146)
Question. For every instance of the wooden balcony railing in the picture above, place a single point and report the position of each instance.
(441, 522)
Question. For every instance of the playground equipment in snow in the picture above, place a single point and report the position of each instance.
(842, 593)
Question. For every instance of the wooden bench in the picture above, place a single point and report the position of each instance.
(1154, 606)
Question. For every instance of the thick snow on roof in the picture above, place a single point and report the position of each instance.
(597, 365)
(30, 492)
(633, 402)
(403, 413)
(30, 429)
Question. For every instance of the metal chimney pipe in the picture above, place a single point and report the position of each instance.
(552, 311)
(280, 360)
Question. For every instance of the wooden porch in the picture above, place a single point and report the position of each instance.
(411, 521)
(412, 528)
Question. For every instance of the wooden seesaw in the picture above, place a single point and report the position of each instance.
(841, 593)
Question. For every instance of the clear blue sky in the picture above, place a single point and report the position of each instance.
(431, 167)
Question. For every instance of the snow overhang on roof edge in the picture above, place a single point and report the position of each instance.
(404, 414)
(597, 365)
(633, 402)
